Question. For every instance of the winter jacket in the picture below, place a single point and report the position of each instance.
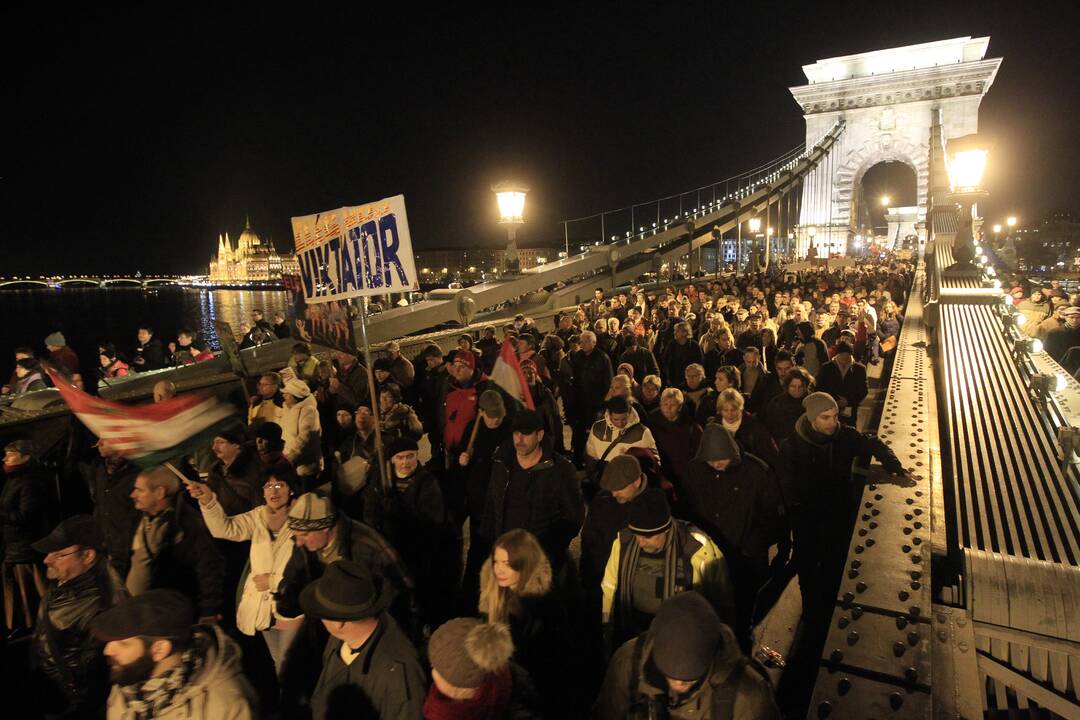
(677, 443)
(765, 388)
(152, 353)
(812, 361)
(605, 518)
(401, 421)
(188, 560)
(69, 672)
(643, 362)
(738, 507)
(29, 383)
(113, 509)
(239, 486)
(556, 510)
(590, 379)
(23, 506)
(634, 688)
(301, 431)
(353, 385)
(65, 360)
(267, 555)
(218, 691)
(384, 680)
(677, 357)
(402, 371)
(604, 435)
(780, 415)
(700, 565)
(851, 386)
(267, 410)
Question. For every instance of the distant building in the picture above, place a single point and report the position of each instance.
(251, 260)
(435, 265)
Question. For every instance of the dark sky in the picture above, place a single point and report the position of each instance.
(139, 134)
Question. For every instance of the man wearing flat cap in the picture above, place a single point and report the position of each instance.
(654, 558)
(819, 459)
(163, 666)
(67, 669)
(370, 669)
(535, 489)
(688, 665)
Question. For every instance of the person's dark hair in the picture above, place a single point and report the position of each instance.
(843, 347)
(466, 337)
(553, 342)
(23, 350)
(732, 374)
(783, 356)
(27, 363)
(432, 350)
(147, 328)
(799, 373)
(185, 332)
(22, 446)
(301, 347)
(180, 644)
(289, 477)
(527, 337)
(393, 390)
(200, 345)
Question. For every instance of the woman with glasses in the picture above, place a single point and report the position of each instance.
(267, 528)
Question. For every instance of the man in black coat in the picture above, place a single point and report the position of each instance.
(784, 410)
(758, 385)
(845, 380)
(149, 354)
(682, 351)
(172, 547)
(818, 458)
(111, 479)
(535, 489)
(729, 495)
(69, 676)
(591, 378)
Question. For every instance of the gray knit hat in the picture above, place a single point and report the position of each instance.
(492, 404)
(55, 339)
(686, 634)
(465, 651)
(817, 403)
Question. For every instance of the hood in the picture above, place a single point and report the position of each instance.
(222, 658)
(806, 431)
(716, 439)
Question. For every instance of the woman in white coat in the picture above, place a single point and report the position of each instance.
(267, 528)
(300, 429)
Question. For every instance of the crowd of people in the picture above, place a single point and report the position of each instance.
(604, 553)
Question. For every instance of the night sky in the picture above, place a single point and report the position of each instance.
(138, 135)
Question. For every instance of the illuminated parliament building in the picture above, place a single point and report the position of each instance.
(252, 260)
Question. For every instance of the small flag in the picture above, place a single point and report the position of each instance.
(507, 375)
(149, 435)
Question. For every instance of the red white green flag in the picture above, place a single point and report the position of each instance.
(507, 375)
(149, 435)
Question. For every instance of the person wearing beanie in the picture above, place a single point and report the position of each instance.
(322, 535)
(652, 559)
(617, 432)
(407, 507)
(301, 428)
(62, 357)
(844, 379)
(236, 475)
(732, 495)
(825, 498)
(472, 675)
(688, 665)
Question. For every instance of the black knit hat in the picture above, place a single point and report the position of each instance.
(156, 613)
(269, 431)
(649, 513)
(686, 634)
(400, 445)
(527, 422)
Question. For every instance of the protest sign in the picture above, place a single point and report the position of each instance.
(355, 251)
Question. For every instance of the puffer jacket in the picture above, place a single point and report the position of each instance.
(302, 432)
(604, 434)
(69, 671)
(217, 692)
(633, 686)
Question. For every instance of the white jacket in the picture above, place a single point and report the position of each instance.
(268, 555)
(301, 432)
(603, 434)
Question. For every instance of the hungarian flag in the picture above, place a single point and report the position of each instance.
(149, 435)
(507, 375)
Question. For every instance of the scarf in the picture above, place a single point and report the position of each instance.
(675, 576)
(489, 702)
(151, 698)
(732, 427)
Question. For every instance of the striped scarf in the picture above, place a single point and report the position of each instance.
(675, 577)
(153, 697)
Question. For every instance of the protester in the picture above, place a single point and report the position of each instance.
(162, 666)
(300, 429)
(23, 500)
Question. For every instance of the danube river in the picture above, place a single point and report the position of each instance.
(88, 316)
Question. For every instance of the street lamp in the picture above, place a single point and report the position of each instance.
(885, 201)
(1011, 221)
(966, 161)
(511, 199)
(997, 228)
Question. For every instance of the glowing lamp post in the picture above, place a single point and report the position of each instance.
(511, 200)
(1011, 221)
(885, 199)
(966, 162)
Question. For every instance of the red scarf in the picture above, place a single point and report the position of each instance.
(488, 703)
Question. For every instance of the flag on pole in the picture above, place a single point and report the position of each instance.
(507, 375)
(149, 435)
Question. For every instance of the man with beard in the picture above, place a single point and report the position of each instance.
(68, 670)
(163, 667)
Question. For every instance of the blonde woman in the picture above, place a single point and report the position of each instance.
(516, 589)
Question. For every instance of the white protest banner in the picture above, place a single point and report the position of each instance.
(355, 251)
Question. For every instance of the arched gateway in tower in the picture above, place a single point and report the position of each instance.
(890, 99)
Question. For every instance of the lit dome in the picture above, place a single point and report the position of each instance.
(248, 238)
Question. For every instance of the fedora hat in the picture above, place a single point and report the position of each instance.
(348, 590)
